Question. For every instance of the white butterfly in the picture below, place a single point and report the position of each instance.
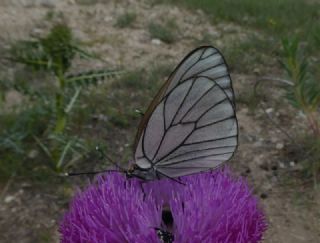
(191, 125)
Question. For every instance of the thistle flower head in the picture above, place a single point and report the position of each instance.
(215, 207)
(112, 210)
(207, 207)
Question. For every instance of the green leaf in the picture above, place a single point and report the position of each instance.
(63, 154)
(90, 77)
(73, 100)
(44, 148)
(84, 54)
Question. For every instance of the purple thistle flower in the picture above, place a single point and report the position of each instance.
(210, 207)
(215, 207)
(113, 210)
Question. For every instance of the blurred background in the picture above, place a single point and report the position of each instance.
(74, 72)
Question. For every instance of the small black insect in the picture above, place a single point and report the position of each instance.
(167, 220)
(164, 236)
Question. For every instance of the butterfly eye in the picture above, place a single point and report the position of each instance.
(132, 168)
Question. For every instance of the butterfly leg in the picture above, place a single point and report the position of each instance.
(171, 178)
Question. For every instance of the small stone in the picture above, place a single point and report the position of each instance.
(214, 34)
(282, 165)
(9, 199)
(269, 110)
(264, 166)
(245, 110)
(274, 139)
(274, 180)
(279, 146)
(100, 117)
(246, 172)
(52, 222)
(263, 195)
(108, 19)
(33, 154)
(301, 115)
(47, 3)
(256, 70)
(27, 3)
(156, 41)
(292, 163)
(25, 184)
(36, 33)
(229, 28)
(200, 12)
(103, 118)
(258, 144)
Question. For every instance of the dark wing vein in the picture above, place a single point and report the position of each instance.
(165, 130)
(211, 140)
(197, 157)
(199, 150)
(204, 70)
(187, 69)
(215, 122)
(186, 138)
(198, 100)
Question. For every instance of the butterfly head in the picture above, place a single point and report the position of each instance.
(141, 173)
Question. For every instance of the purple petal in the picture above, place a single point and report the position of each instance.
(216, 207)
(113, 210)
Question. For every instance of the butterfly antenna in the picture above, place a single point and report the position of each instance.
(102, 156)
(171, 178)
(89, 172)
(111, 161)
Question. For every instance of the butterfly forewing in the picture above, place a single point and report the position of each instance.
(190, 126)
(204, 61)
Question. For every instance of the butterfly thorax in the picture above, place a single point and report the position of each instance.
(142, 173)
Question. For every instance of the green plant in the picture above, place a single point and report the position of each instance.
(4, 87)
(304, 92)
(68, 150)
(133, 80)
(86, 2)
(54, 102)
(17, 148)
(125, 20)
(166, 32)
(250, 53)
